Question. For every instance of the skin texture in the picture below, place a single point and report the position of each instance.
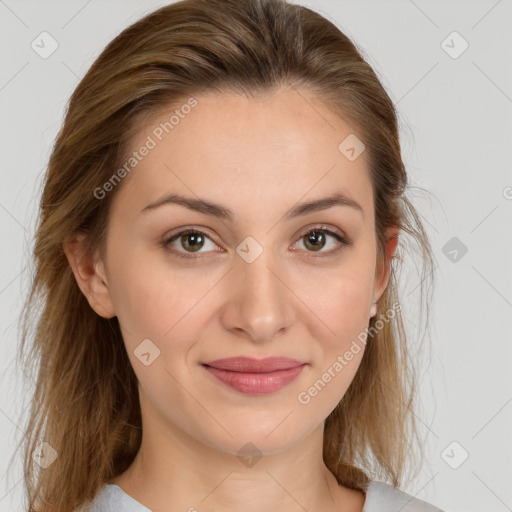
(259, 158)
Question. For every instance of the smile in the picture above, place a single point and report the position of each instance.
(255, 377)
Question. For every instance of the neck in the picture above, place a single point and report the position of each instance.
(174, 471)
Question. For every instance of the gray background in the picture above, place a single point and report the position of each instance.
(456, 116)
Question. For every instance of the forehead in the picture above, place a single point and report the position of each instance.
(274, 149)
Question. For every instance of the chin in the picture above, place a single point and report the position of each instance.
(265, 435)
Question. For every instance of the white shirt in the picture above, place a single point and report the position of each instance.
(380, 497)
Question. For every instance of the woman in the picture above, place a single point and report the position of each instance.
(216, 257)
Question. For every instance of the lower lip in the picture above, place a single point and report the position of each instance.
(256, 383)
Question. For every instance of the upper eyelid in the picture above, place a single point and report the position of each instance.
(181, 232)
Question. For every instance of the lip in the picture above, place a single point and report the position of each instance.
(255, 376)
(251, 365)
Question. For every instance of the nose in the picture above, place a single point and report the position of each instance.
(259, 305)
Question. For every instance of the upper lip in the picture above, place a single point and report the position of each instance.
(250, 365)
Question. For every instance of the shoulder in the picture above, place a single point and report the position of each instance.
(112, 498)
(382, 497)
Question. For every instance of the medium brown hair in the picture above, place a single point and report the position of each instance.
(85, 404)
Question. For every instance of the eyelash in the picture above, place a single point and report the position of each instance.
(166, 241)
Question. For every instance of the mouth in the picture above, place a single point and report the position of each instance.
(255, 376)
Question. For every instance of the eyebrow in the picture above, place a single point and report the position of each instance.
(222, 212)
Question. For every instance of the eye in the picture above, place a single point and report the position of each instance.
(317, 238)
(191, 240)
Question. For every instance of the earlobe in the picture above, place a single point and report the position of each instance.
(89, 275)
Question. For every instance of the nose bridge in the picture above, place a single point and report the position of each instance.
(260, 304)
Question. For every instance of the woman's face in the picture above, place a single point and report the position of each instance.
(267, 280)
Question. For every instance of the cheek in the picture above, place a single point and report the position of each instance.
(340, 300)
(347, 314)
(157, 302)
(143, 310)
(338, 353)
(348, 305)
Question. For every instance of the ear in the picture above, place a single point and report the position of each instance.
(90, 275)
(382, 279)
